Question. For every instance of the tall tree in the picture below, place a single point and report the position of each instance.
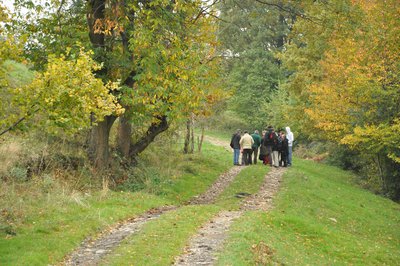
(347, 74)
(162, 53)
(252, 33)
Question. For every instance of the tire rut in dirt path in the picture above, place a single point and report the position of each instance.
(204, 246)
(91, 251)
(217, 187)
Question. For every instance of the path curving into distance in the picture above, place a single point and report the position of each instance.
(209, 240)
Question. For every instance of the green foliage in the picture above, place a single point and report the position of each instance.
(251, 34)
(67, 94)
(278, 110)
(227, 121)
(49, 28)
(176, 66)
(320, 217)
(15, 75)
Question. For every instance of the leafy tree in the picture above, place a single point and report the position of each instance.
(347, 76)
(252, 32)
(67, 94)
(162, 53)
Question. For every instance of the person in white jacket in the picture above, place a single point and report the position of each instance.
(290, 137)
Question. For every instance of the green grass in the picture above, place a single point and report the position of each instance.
(320, 218)
(50, 223)
(55, 229)
(199, 172)
(161, 240)
(248, 180)
(222, 135)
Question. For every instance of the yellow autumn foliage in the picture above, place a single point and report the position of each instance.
(356, 100)
(67, 94)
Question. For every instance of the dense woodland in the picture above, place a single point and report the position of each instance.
(87, 86)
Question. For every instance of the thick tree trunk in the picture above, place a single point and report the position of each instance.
(99, 135)
(154, 129)
(124, 136)
(99, 144)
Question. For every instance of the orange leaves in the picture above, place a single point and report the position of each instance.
(355, 101)
(107, 27)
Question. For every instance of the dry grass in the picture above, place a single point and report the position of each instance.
(9, 154)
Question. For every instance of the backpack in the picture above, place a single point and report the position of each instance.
(271, 135)
(279, 142)
(269, 139)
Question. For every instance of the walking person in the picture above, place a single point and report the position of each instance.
(257, 142)
(246, 142)
(235, 145)
(290, 137)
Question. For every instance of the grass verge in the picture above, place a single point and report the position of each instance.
(320, 218)
(48, 221)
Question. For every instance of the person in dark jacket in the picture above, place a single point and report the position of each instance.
(257, 142)
(235, 145)
(268, 142)
(284, 150)
(275, 149)
(263, 150)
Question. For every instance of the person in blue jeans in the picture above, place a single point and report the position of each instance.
(290, 137)
(235, 145)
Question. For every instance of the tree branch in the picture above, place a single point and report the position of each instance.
(17, 122)
(154, 129)
(290, 11)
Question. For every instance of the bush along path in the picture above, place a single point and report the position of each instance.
(91, 251)
(209, 240)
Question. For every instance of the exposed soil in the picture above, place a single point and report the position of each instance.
(204, 246)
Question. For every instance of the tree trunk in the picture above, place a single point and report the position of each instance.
(124, 136)
(99, 135)
(192, 134)
(152, 132)
(200, 144)
(187, 138)
(99, 144)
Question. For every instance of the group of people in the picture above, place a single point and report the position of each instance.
(272, 148)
